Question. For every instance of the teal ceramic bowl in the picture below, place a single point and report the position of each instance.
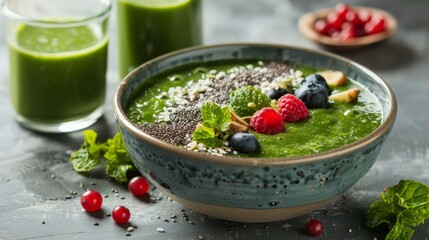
(252, 189)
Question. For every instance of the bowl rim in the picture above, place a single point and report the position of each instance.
(383, 129)
(306, 27)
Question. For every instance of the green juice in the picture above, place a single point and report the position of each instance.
(57, 74)
(149, 28)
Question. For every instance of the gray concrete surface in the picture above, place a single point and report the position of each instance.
(36, 178)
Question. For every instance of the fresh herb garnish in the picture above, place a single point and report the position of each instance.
(245, 101)
(216, 123)
(88, 156)
(404, 206)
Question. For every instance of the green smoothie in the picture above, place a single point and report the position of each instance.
(57, 74)
(327, 128)
(149, 28)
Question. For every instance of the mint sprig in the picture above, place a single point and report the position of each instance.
(404, 206)
(88, 156)
(216, 123)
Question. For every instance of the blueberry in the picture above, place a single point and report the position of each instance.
(313, 95)
(244, 143)
(316, 79)
(277, 93)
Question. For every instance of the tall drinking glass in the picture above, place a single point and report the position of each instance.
(149, 28)
(58, 61)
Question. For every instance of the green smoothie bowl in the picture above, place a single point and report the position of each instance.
(253, 132)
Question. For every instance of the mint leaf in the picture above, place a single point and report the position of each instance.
(215, 117)
(216, 121)
(117, 160)
(118, 170)
(116, 150)
(82, 161)
(206, 136)
(91, 139)
(411, 194)
(379, 212)
(415, 217)
(400, 231)
(87, 157)
(404, 205)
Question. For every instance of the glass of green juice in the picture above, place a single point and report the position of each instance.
(58, 61)
(149, 28)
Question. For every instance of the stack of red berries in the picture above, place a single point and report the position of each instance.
(346, 23)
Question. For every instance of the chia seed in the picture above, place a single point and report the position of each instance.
(183, 122)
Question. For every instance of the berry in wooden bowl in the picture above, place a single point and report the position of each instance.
(347, 27)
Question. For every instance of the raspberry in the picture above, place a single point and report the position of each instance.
(292, 109)
(267, 121)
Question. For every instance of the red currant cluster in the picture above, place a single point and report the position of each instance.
(92, 200)
(345, 23)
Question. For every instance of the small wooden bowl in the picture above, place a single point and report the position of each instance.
(307, 21)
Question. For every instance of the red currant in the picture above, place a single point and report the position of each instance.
(353, 18)
(342, 9)
(334, 20)
(347, 34)
(335, 34)
(364, 16)
(121, 214)
(313, 228)
(322, 27)
(376, 25)
(138, 186)
(91, 201)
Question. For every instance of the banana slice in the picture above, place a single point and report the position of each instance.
(350, 95)
(333, 78)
